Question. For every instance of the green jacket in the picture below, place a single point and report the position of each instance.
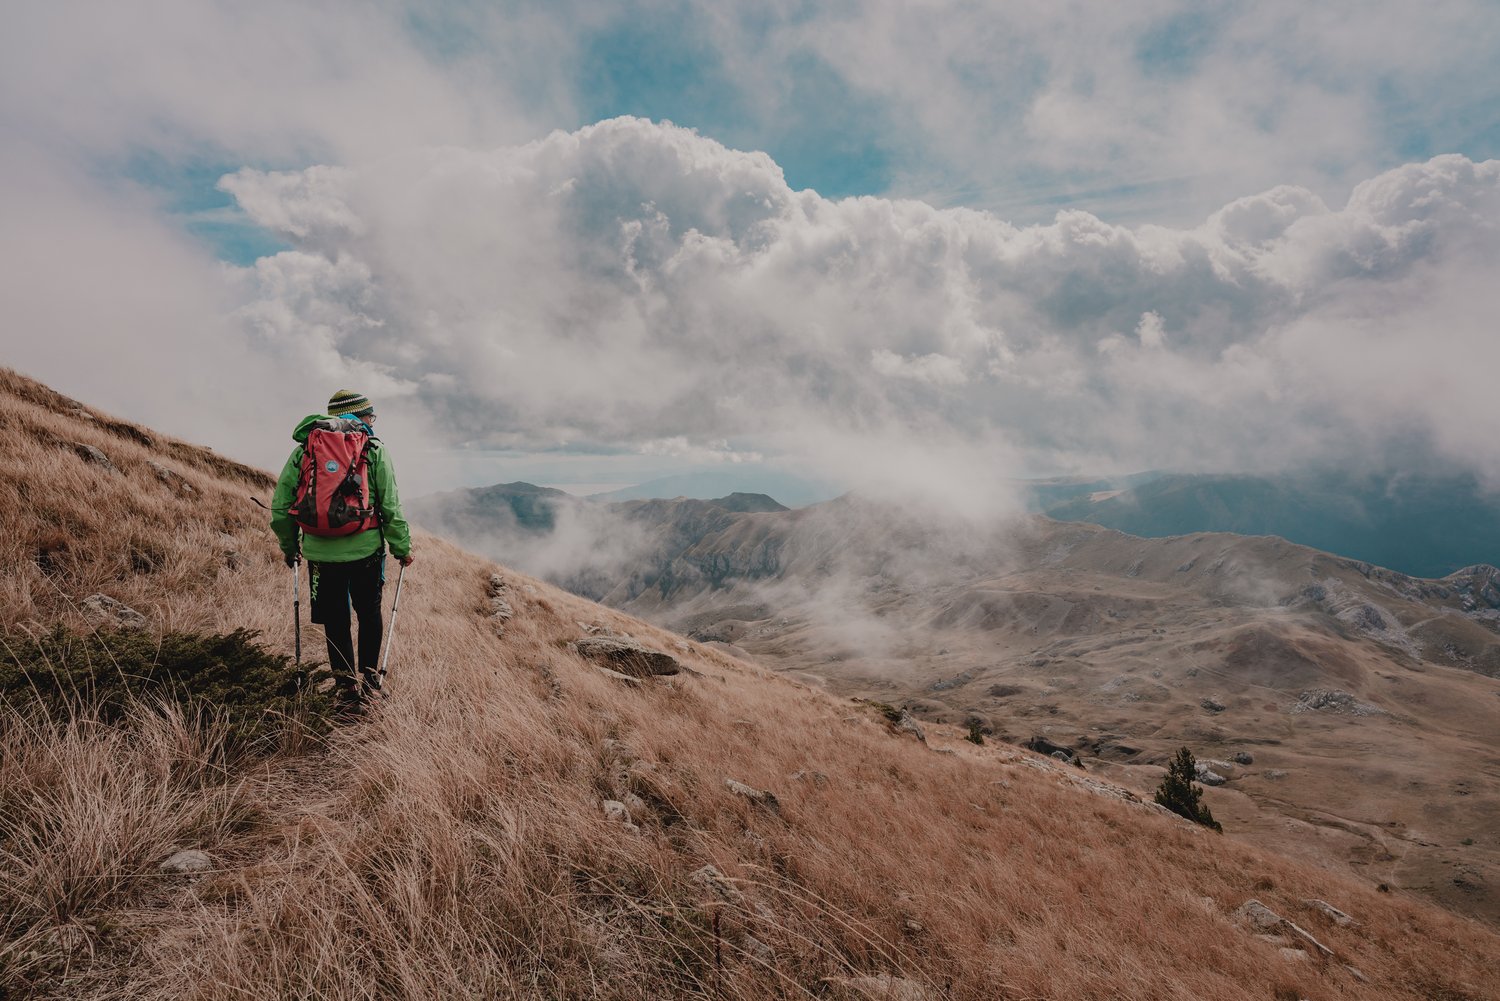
(347, 548)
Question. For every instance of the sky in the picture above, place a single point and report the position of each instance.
(895, 247)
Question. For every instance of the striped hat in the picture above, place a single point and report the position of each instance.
(347, 401)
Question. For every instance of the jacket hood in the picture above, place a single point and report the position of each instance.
(305, 426)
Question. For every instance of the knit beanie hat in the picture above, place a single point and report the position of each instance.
(347, 401)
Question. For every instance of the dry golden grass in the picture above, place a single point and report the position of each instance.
(454, 844)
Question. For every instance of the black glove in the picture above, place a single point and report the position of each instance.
(292, 559)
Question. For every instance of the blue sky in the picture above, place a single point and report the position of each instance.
(1028, 173)
(949, 123)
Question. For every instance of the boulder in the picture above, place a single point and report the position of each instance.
(102, 610)
(717, 884)
(1266, 921)
(1244, 758)
(623, 679)
(1207, 775)
(627, 656)
(1042, 745)
(175, 481)
(756, 949)
(881, 987)
(753, 794)
(1212, 704)
(616, 811)
(905, 723)
(93, 456)
(191, 860)
(1259, 917)
(1333, 701)
(1337, 916)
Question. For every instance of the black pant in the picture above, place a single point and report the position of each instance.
(334, 588)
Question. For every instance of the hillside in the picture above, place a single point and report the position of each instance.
(1318, 668)
(1426, 526)
(456, 844)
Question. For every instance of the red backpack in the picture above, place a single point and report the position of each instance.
(333, 490)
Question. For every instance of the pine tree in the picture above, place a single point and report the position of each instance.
(1178, 794)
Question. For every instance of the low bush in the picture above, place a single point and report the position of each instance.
(254, 692)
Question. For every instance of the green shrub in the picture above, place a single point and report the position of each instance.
(254, 691)
(1178, 794)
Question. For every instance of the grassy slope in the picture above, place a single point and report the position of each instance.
(454, 846)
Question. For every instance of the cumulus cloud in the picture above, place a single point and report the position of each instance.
(632, 283)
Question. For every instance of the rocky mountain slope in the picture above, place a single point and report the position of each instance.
(519, 820)
(1364, 699)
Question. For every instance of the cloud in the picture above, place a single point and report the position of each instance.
(1160, 110)
(632, 283)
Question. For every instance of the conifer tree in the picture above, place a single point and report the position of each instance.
(1178, 794)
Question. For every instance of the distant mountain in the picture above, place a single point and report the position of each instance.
(746, 503)
(516, 506)
(793, 491)
(1423, 526)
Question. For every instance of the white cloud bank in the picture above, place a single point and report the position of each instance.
(633, 283)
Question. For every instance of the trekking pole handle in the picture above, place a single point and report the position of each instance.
(385, 655)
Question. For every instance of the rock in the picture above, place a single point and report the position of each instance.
(1207, 775)
(818, 779)
(92, 455)
(715, 882)
(191, 860)
(1260, 917)
(500, 609)
(756, 949)
(627, 656)
(1263, 919)
(616, 811)
(906, 724)
(172, 479)
(1337, 916)
(624, 679)
(496, 585)
(1357, 974)
(1042, 745)
(636, 806)
(944, 750)
(1333, 701)
(1294, 955)
(101, 609)
(1244, 758)
(753, 794)
(1062, 756)
(882, 987)
(1213, 705)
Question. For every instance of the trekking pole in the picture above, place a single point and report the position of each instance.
(395, 606)
(297, 609)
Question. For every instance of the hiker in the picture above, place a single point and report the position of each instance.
(336, 503)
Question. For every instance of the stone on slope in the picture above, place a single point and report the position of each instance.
(1207, 775)
(715, 882)
(764, 798)
(191, 860)
(881, 987)
(101, 609)
(94, 456)
(623, 679)
(1333, 913)
(627, 656)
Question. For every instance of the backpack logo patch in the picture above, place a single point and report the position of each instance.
(332, 466)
